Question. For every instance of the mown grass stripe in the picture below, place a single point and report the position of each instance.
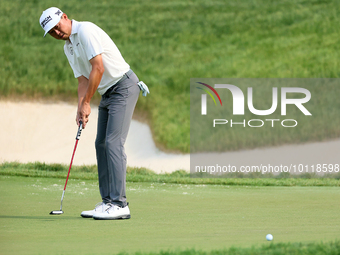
(38, 169)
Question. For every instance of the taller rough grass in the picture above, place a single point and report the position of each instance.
(326, 248)
(167, 43)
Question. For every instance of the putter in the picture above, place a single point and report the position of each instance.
(80, 128)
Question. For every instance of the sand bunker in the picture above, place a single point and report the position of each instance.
(43, 132)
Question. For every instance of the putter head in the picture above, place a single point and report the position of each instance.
(56, 212)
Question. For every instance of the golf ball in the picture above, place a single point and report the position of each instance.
(269, 237)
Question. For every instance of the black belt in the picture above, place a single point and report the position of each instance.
(125, 76)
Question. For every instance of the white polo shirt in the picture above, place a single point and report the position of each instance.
(88, 41)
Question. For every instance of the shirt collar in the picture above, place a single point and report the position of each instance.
(75, 27)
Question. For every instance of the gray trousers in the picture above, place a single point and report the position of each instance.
(114, 117)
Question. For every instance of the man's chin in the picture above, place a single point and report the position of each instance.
(64, 37)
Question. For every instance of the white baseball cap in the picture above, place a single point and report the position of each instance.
(49, 18)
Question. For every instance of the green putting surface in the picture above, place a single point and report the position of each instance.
(163, 217)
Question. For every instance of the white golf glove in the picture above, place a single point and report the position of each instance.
(143, 88)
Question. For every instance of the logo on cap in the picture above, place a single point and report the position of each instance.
(45, 21)
(58, 12)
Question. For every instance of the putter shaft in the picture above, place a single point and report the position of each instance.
(80, 128)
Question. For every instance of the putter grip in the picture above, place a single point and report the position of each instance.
(79, 130)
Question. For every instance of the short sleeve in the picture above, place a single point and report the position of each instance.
(89, 37)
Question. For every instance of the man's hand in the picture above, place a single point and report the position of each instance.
(83, 113)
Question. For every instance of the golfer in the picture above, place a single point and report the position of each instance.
(99, 66)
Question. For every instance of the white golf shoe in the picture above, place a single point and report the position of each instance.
(100, 207)
(114, 212)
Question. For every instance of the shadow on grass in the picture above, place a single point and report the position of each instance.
(46, 218)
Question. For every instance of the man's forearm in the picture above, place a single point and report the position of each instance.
(95, 77)
(82, 88)
(87, 88)
(93, 83)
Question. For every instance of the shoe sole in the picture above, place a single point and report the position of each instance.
(124, 217)
(86, 216)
